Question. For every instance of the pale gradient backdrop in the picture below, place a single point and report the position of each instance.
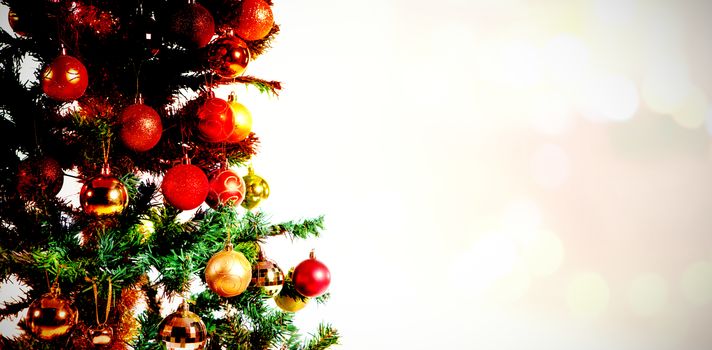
(496, 174)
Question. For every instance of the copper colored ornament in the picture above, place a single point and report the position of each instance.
(141, 127)
(255, 20)
(256, 189)
(290, 304)
(215, 120)
(228, 272)
(185, 186)
(65, 79)
(242, 119)
(16, 23)
(39, 177)
(266, 275)
(103, 195)
(192, 26)
(311, 277)
(226, 188)
(228, 56)
(183, 330)
(100, 335)
(51, 316)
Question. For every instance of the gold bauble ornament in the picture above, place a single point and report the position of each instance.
(290, 304)
(51, 316)
(256, 189)
(104, 195)
(228, 273)
(100, 335)
(266, 275)
(183, 330)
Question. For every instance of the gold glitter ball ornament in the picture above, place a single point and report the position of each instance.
(51, 316)
(228, 273)
(256, 189)
(183, 330)
(103, 195)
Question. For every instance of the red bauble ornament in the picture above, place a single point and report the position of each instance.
(16, 23)
(255, 20)
(228, 56)
(311, 277)
(226, 188)
(141, 127)
(243, 120)
(215, 120)
(65, 79)
(192, 26)
(185, 186)
(39, 177)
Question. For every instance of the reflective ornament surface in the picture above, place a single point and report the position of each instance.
(215, 120)
(228, 56)
(65, 79)
(183, 330)
(16, 23)
(226, 188)
(51, 316)
(228, 273)
(256, 189)
(100, 335)
(290, 304)
(267, 276)
(103, 195)
(242, 118)
(311, 277)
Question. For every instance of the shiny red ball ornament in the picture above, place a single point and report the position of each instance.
(311, 277)
(141, 127)
(255, 20)
(228, 56)
(192, 26)
(39, 177)
(226, 188)
(185, 186)
(65, 79)
(215, 120)
(16, 23)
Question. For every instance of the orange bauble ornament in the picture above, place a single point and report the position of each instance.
(65, 79)
(228, 273)
(255, 20)
(215, 120)
(242, 119)
(103, 195)
(51, 316)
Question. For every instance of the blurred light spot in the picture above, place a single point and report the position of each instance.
(615, 12)
(567, 60)
(551, 113)
(609, 98)
(693, 110)
(648, 294)
(666, 87)
(697, 283)
(511, 287)
(587, 295)
(493, 256)
(520, 65)
(550, 166)
(521, 218)
(544, 255)
(709, 120)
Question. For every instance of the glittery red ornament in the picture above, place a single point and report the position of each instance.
(215, 120)
(65, 79)
(228, 56)
(141, 127)
(311, 277)
(226, 188)
(100, 22)
(255, 20)
(185, 186)
(192, 26)
(39, 177)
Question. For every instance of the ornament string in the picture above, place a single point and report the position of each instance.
(96, 302)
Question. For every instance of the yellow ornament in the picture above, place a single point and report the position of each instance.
(103, 195)
(51, 316)
(242, 118)
(228, 273)
(256, 189)
(290, 304)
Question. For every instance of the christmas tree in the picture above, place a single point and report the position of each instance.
(126, 100)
